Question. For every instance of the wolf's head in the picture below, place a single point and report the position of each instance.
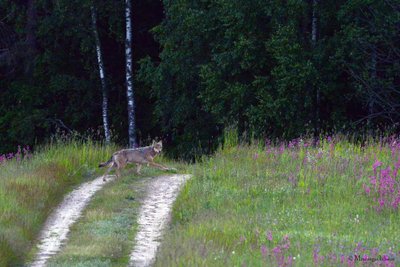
(157, 146)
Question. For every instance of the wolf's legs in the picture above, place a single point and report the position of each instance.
(138, 167)
(161, 167)
(107, 171)
(120, 164)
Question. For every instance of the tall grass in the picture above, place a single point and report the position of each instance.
(288, 204)
(30, 188)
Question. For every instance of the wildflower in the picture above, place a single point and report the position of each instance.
(289, 260)
(372, 180)
(342, 259)
(320, 153)
(374, 252)
(367, 189)
(18, 154)
(396, 202)
(315, 256)
(286, 240)
(381, 202)
(264, 250)
(350, 261)
(269, 235)
(277, 250)
(267, 142)
(357, 219)
(376, 165)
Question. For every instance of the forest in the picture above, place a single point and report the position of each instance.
(268, 69)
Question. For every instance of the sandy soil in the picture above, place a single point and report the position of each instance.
(56, 228)
(154, 216)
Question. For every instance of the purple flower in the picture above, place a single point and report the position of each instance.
(315, 256)
(374, 252)
(264, 250)
(376, 165)
(289, 260)
(277, 250)
(269, 235)
(381, 202)
(342, 259)
(367, 189)
(372, 180)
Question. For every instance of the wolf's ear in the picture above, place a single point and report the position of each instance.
(160, 143)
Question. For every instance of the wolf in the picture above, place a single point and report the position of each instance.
(140, 156)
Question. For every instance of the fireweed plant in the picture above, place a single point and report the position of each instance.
(330, 202)
(22, 153)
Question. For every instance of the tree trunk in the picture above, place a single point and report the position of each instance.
(102, 76)
(314, 32)
(129, 75)
(31, 45)
(314, 23)
(371, 100)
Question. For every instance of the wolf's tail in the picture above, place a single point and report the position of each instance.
(105, 163)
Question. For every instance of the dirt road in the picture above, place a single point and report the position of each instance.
(154, 216)
(56, 228)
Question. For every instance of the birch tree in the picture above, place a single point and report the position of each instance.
(129, 75)
(102, 75)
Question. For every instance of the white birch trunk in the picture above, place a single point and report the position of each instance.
(102, 76)
(129, 75)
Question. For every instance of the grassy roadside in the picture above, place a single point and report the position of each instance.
(31, 187)
(105, 233)
(288, 205)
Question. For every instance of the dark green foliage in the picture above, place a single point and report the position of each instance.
(251, 65)
(63, 89)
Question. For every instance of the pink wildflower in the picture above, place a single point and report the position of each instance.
(269, 235)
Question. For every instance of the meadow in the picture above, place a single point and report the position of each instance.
(297, 203)
(334, 203)
(32, 184)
